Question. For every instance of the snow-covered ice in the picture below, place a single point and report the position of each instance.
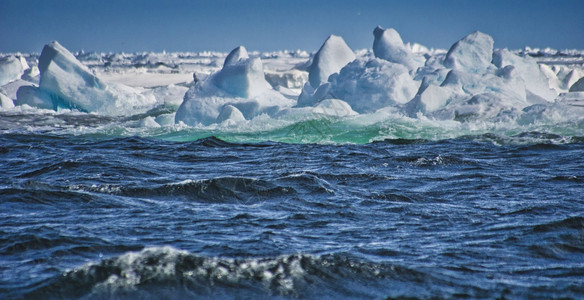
(388, 45)
(471, 54)
(12, 68)
(333, 55)
(5, 102)
(471, 82)
(240, 84)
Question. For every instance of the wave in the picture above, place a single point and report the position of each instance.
(235, 190)
(170, 273)
(166, 272)
(362, 129)
(216, 190)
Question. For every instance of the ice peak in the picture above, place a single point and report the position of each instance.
(241, 76)
(389, 35)
(388, 45)
(473, 53)
(236, 55)
(332, 56)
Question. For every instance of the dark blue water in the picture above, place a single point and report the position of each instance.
(472, 217)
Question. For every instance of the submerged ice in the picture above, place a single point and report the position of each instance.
(471, 82)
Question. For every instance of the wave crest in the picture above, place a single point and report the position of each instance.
(163, 271)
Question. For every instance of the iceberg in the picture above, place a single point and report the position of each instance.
(238, 89)
(169, 95)
(481, 83)
(12, 68)
(70, 84)
(326, 107)
(466, 96)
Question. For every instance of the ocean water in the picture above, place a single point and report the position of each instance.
(93, 207)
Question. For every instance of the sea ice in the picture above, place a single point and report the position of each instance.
(471, 54)
(536, 83)
(35, 97)
(6, 102)
(334, 107)
(333, 55)
(230, 113)
(240, 84)
(12, 68)
(578, 86)
(370, 84)
(70, 84)
(169, 95)
(11, 88)
(291, 79)
(388, 45)
(241, 75)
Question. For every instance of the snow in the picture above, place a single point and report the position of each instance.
(471, 54)
(334, 107)
(242, 76)
(240, 84)
(139, 78)
(333, 55)
(5, 102)
(536, 83)
(370, 84)
(230, 114)
(11, 88)
(388, 45)
(169, 95)
(12, 68)
(291, 79)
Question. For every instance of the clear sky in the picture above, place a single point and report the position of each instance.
(266, 25)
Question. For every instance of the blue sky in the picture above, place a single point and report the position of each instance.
(221, 25)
